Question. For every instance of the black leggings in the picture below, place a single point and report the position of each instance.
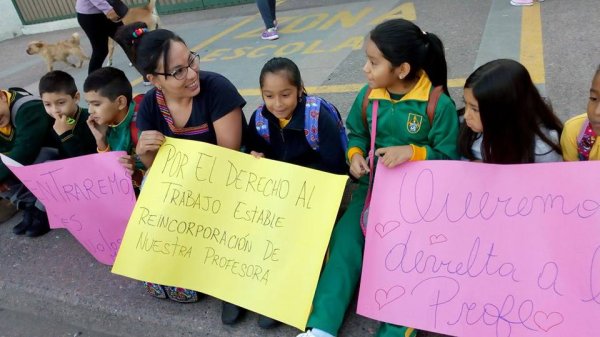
(98, 29)
(267, 11)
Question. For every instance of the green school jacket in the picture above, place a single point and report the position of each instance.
(119, 137)
(405, 122)
(30, 132)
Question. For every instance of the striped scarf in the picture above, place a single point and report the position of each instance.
(166, 113)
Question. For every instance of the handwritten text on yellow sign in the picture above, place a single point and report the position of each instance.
(249, 231)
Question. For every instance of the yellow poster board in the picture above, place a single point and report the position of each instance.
(249, 231)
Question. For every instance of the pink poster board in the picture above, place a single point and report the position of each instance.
(470, 249)
(91, 196)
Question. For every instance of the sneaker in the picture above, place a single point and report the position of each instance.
(155, 290)
(521, 2)
(267, 322)
(231, 313)
(27, 220)
(39, 224)
(306, 334)
(182, 295)
(269, 34)
(315, 333)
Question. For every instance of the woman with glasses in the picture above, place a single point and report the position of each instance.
(185, 103)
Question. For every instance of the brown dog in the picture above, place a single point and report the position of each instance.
(59, 51)
(146, 14)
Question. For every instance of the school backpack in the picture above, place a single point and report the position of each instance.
(18, 103)
(311, 122)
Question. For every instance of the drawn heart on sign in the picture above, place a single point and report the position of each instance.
(435, 239)
(386, 229)
(547, 321)
(384, 297)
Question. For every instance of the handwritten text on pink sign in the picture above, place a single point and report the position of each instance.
(91, 196)
(469, 249)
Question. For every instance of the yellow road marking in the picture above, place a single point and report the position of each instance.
(221, 34)
(342, 88)
(215, 38)
(532, 45)
(532, 57)
(208, 41)
(456, 82)
(325, 89)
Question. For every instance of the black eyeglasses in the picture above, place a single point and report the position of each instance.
(181, 73)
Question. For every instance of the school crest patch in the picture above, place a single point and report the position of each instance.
(414, 122)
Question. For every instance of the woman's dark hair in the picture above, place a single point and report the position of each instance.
(512, 114)
(282, 64)
(149, 46)
(402, 41)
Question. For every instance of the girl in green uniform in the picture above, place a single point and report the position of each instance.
(405, 67)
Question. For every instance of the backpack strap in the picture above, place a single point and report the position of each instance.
(262, 124)
(584, 127)
(585, 141)
(365, 103)
(311, 121)
(335, 113)
(19, 102)
(365, 211)
(434, 97)
(21, 91)
(135, 132)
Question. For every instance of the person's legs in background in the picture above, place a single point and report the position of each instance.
(98, 29)
(267, 11)
(273, 14)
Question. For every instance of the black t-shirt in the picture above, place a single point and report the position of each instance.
(217, 97)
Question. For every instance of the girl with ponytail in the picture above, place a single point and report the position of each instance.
(186, 103)
(407, 96)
